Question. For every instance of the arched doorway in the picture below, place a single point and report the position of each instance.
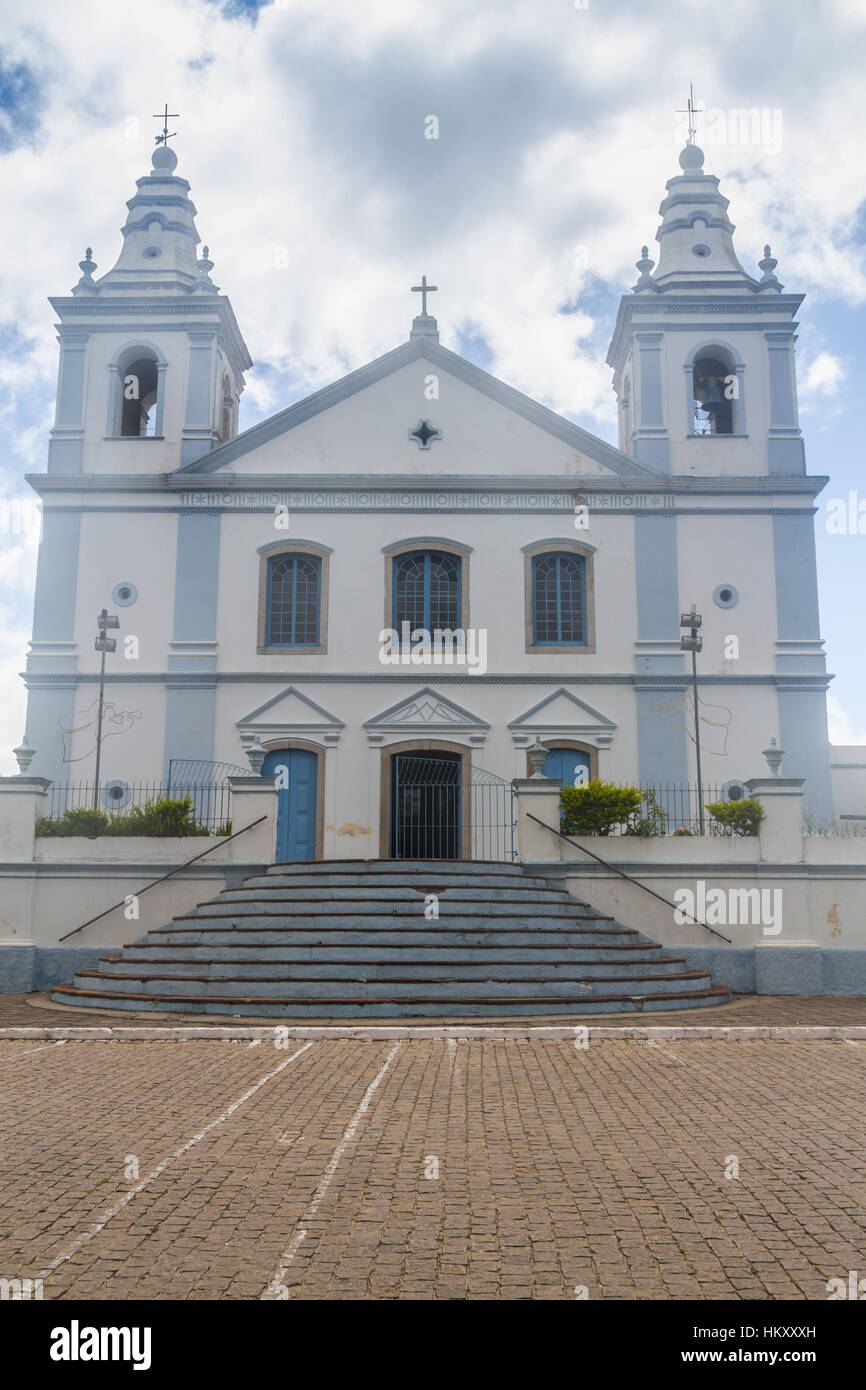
(426, 806)
(426, 801)
(297, 773)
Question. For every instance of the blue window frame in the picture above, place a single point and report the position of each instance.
(427, 590)
(559, 600)
(293, 598)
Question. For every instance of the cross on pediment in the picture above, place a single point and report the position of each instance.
(424, 432)
(424, 289)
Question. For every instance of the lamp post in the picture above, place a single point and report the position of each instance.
(693, 643)
(103, 644)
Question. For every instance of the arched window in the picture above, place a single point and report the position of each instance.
(426, 590)
(558, 600)
(714, 390)
(138, 385)
(293, 600)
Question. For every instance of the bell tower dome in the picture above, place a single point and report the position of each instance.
(703, 352)
(152, 360)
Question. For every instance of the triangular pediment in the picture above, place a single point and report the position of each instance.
(376, 407)
(563, 713)
(289, 712)
(425, 711)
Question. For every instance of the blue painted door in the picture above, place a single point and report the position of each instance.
(569, 766)
(297, 771)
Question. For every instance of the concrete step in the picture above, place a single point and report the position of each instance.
(448, 894)
(532, 1003)
(370, 911)
(429, 882)
(388, 987)
(477, 868)
(349, 938)
(147, 952)
(388, 933)
(183, 966)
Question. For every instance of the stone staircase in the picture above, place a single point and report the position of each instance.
(349, 938)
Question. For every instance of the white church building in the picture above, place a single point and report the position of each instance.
(257, 576)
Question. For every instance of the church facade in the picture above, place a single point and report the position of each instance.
(275, 589)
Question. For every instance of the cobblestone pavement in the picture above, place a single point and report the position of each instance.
(37, 1011)
(431, 1168)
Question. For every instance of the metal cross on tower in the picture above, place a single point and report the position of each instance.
(691, 111)
(424, 289)
(165, 116)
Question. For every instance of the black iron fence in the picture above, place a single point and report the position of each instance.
(440, 808)
(209, 806)
(670, 808)
(680, 805)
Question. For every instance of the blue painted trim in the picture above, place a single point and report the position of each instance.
(796, 571)
(190, 711)
(649, 377)
(657, 578)
(57, 577)
(196, 577)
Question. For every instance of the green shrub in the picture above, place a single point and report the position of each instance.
(743, 817)
(76, 820)
(597, 808)
(165, 816)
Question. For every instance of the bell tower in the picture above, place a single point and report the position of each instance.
(152, 360)
(702, 352)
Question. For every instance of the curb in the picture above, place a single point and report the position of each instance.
(492, 1033)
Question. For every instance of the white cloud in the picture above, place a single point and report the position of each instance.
(558, 128)
(841, 727)
(824, 375)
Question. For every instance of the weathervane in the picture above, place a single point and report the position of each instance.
(165, 116)
(691, 110)
(424, 289)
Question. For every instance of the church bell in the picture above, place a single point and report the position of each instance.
(714, 399)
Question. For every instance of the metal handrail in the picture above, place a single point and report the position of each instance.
(623, 874)
(163, 877)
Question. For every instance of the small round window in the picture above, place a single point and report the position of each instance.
(151, 253)
(725, 596)
(115, 794)
(735, 790)
(124, 593)
(700, 249)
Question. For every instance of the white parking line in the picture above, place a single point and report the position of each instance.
(662, 1048)
(96, 1226)
(31, 1050)
(275, 1286)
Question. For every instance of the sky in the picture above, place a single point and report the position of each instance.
(304, 132)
